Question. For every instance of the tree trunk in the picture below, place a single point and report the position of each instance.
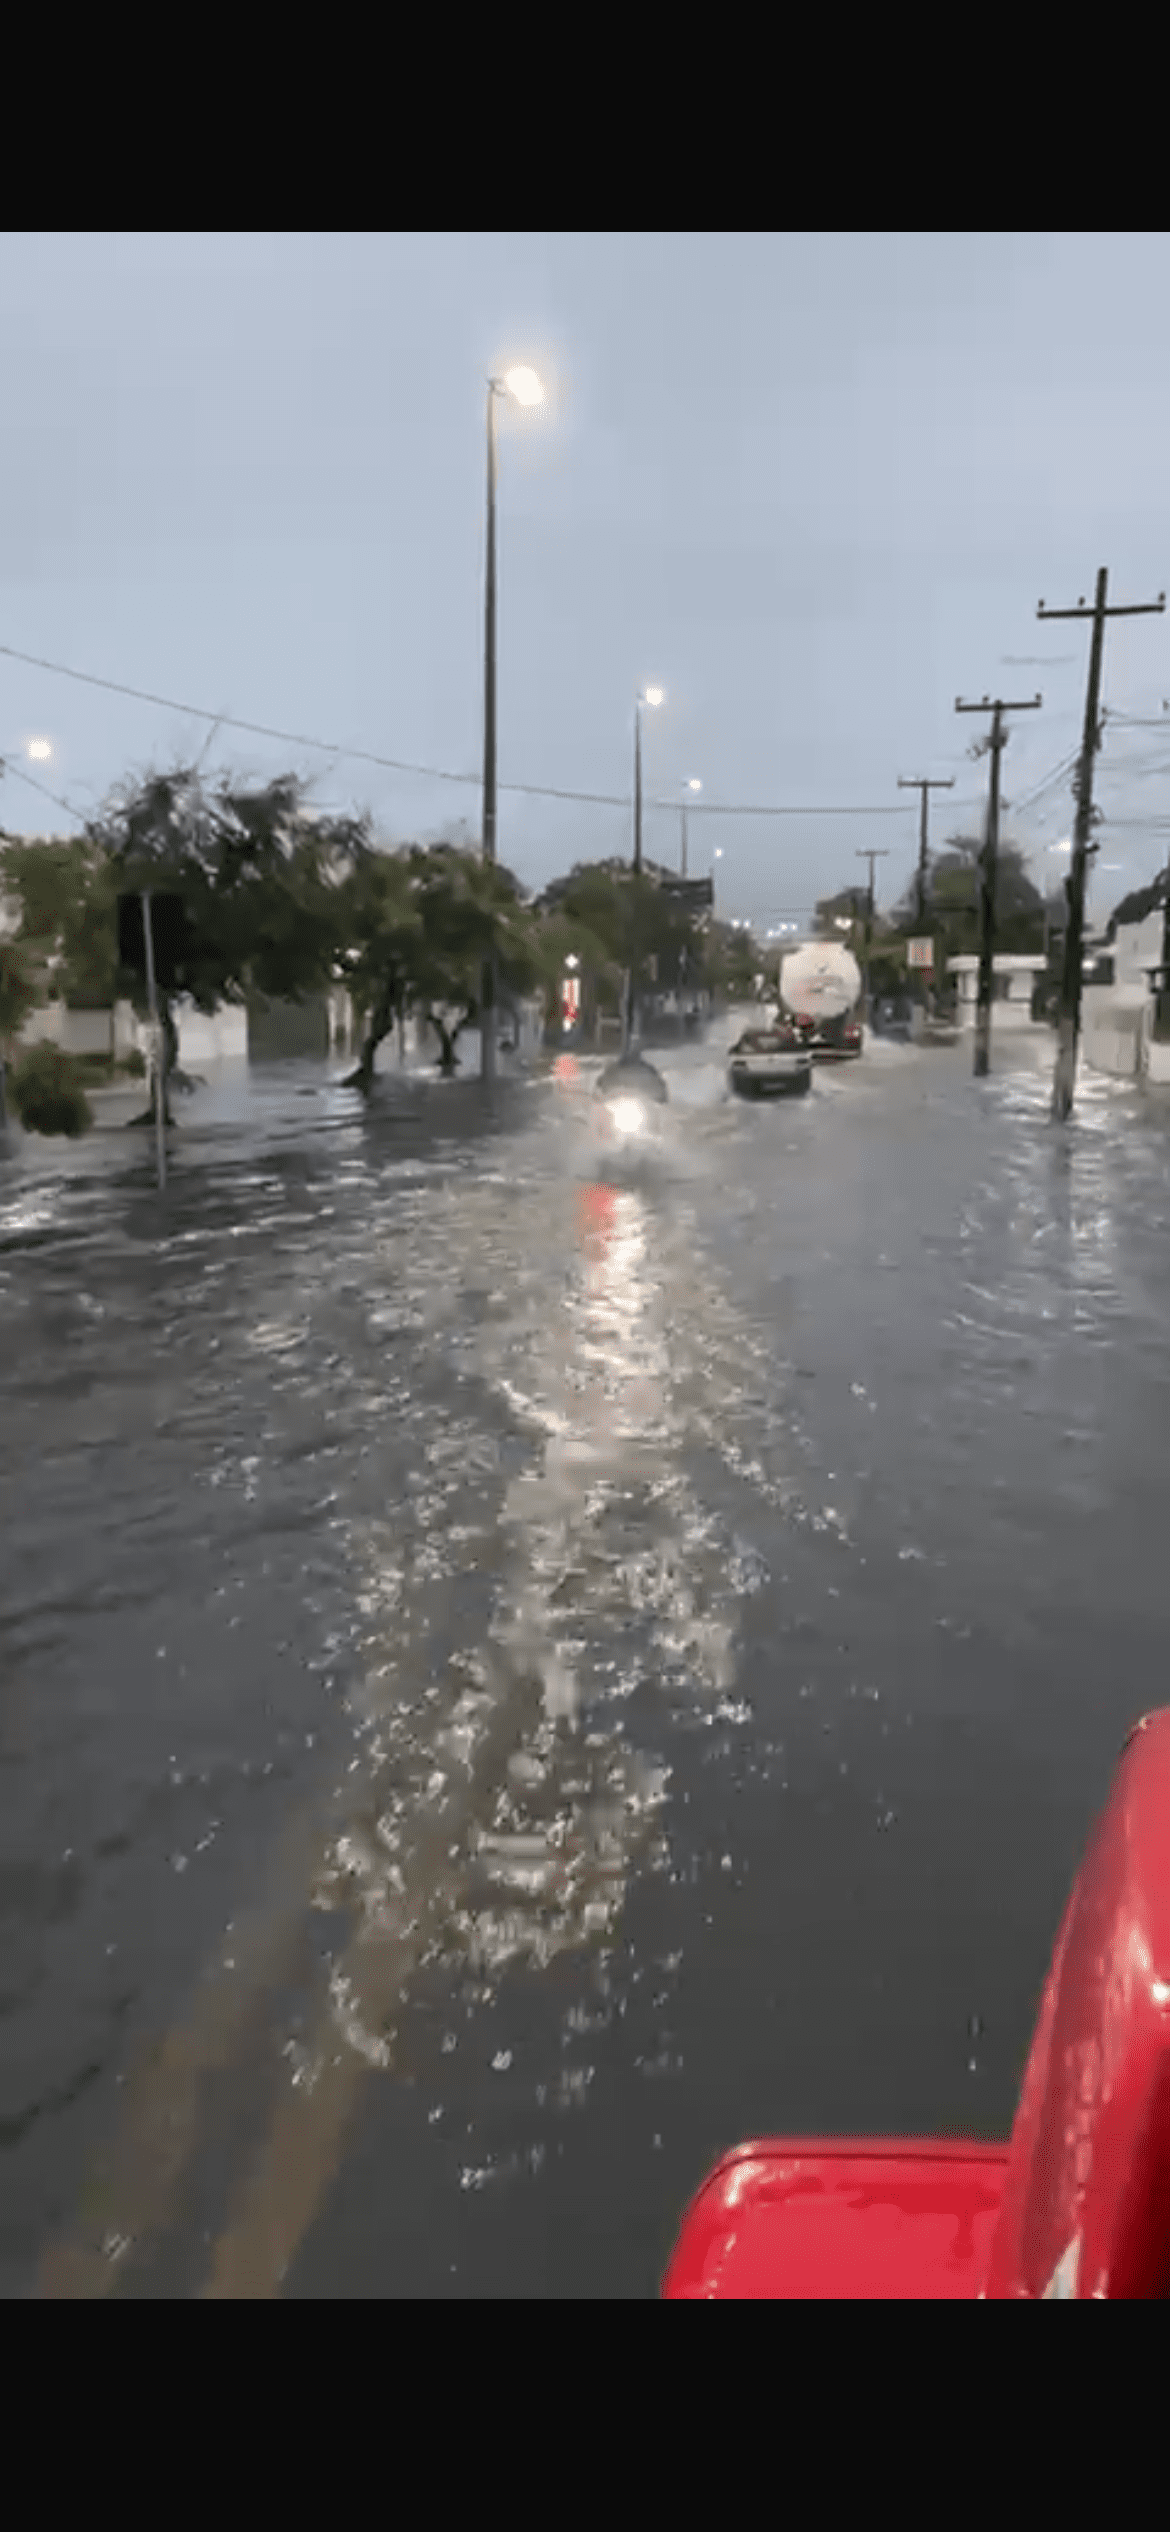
(448, 1059)
(448, 1062)
(170, 1038)
(379, 1023)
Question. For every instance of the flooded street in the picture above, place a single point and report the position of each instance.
(516, 1677)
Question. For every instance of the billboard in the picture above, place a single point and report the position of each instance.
(920, 953)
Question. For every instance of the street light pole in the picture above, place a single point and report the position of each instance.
(488, 984)
(692, 785)
(525, 386)
(652, 696)
(159, 1082)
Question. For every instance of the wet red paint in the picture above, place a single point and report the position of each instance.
(860, 2218)
(1076, 2204)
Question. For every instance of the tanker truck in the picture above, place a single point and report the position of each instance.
(820, 992)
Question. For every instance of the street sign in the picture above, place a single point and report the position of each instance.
(920, 953)
(694, 894)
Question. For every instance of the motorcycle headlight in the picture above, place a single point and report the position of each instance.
(628, 1115)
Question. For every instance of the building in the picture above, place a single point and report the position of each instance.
(1014, 980)
(1118, 1002)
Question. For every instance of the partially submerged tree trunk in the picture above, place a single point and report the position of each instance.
(171, 1073)
(448, 1059)
(378, 1024)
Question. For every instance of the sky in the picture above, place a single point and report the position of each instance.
(812, 486)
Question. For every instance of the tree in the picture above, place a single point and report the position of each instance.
(18, 996)
(1139, 903)
(954, 897)
(733, 961)
(419, 925)
(469, 911)
(64, 899)
(607, 918)
(953, 903)
(842, 918)
(381, 919)
(48, 1093)
(563, 938)
(260, 878)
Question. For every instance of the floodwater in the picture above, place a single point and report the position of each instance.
(517, 1673)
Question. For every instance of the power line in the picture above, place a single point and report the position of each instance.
(608, 800)
(18, 770)
(432, 773)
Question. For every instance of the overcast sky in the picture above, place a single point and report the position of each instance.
(813, 486)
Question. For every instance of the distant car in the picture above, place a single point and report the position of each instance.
(768, 1063)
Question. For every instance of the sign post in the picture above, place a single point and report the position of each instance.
(152, 991)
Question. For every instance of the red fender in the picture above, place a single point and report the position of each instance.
(1077, 2205)
(1086, 2204)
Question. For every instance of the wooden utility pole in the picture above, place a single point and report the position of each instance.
(915, 782)
(870, 856)
(996, 744)
(1069, 1023)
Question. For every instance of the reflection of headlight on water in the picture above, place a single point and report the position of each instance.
(628, 1115)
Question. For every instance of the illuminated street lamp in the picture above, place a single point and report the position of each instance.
(525, 387)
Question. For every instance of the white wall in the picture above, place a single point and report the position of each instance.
(76, 1032)
(1111, 1031)
(1136, 947)
(1115, 1019)
(215, 1039)
(201, 1041)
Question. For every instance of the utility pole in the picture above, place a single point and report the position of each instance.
(871, 857)
(632, 1031)
(1064, 1078)
(996, 744)
(916, 782)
